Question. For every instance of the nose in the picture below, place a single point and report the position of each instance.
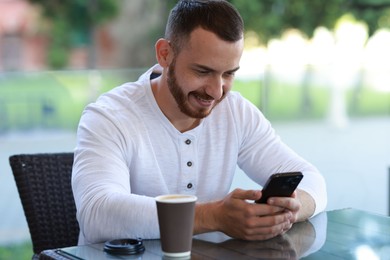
(215, 87)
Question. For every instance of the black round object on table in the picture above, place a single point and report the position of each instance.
(125, 246)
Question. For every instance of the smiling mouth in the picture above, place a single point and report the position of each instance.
(204, 101)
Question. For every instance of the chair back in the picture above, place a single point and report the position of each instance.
(44, 186)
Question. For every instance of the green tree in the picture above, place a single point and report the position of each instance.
(270, 18)
(72, 23)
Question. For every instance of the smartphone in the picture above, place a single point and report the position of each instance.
(280, 185)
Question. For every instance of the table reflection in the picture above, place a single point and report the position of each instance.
(355, 234)
(301, 240)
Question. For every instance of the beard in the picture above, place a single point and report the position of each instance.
(182, 99)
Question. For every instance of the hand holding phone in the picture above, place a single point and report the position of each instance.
(280, 185)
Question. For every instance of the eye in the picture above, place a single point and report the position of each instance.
(229, 74)
(202, 72)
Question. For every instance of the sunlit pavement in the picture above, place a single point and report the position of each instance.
(354, 160)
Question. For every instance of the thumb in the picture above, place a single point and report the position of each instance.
(246, 194)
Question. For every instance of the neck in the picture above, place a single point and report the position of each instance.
(186, 125)
(168, 106)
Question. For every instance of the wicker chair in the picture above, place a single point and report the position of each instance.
(44, 185)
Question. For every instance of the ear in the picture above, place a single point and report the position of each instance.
(163, 52)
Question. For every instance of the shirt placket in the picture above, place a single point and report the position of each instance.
(188, 164)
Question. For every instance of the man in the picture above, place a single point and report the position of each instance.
(185, 132)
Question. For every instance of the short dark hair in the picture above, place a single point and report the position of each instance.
(217, 16)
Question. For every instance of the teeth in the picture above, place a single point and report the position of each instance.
(204, 100)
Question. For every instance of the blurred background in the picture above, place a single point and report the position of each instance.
(319, 70)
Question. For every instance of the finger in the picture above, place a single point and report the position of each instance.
(287, 228)
(266, 232)
(272, 223)
(267, 210)
(287, 203)
(274, 220)
(295, 194)
(246, 194)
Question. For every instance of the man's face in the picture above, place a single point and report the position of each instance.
(202, 73)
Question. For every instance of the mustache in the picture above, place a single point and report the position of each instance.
(204, 96)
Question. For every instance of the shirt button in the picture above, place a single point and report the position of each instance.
(189, 164)
(189, 185)
(188, 141)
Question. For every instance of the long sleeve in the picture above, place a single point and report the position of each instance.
(106, 208)
(262, 153)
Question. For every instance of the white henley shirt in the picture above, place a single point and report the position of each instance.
(128, 152)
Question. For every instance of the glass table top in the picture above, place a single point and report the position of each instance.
(339, 234)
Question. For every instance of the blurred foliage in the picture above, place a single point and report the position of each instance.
(270, 18)
(22, 251)
(59, 44)
(72, 23)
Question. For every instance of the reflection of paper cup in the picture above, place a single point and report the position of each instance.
(176, 219)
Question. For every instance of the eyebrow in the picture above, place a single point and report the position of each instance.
(199, 66)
